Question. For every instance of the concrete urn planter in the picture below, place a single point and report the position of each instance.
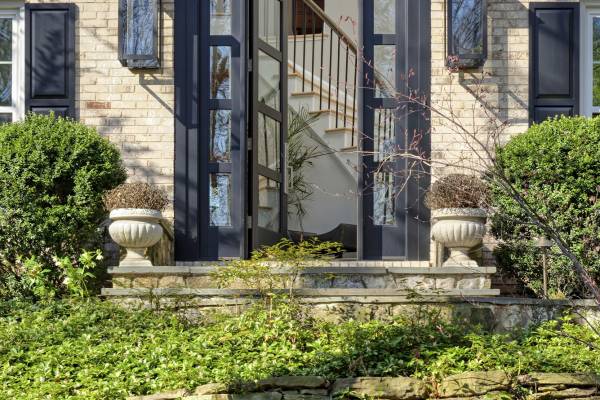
(459, 229)
(135, 229)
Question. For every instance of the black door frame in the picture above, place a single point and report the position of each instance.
(259, 235)
(409, 237)
(195, 238)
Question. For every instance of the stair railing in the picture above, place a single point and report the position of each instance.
(326, 57)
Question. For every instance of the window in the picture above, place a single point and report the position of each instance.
(467, 32)
(11, 65)
(590, 59)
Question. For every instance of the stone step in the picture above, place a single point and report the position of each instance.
(317, 278)
(307, 295)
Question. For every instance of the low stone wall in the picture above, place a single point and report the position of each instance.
(469, 385)
(495, 314)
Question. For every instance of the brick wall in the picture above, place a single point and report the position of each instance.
(500, 89)
(132, 108)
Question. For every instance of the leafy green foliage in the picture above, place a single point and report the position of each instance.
(260, 271)
(555, 166)
(95, 350)
(40, 280)
(53, 174)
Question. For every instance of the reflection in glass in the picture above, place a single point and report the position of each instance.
(385, 16)
(5, 39)
(5, 85)
(219, 192)
(596, 38)
(269, 22)
(268, 204)
(596, 85)
(140, 27)
(220, 17)
(220, 68)
(268, 142)
(384, 199)
(596, 62)
(220, 135)
(5, 118)
(467, 27)
(269, 80)
(384, 66)
(384, 134)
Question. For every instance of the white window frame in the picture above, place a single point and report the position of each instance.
(589, 10)
(16, 12)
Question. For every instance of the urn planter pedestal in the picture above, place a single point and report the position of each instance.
(459, 229)
(135, 229)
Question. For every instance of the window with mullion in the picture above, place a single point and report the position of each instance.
(220, 123)
(9, 70)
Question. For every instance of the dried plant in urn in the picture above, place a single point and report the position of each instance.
(136, 212)
(457, 204)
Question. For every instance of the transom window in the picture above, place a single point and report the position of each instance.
(11, 68)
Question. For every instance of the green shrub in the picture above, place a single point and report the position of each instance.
(95, 350)
(556, 167)
(53, 174)
(258, 272)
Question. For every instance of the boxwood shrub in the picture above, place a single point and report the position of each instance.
(555, 165)
(53, 174)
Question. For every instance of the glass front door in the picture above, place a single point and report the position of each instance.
(268, 186)
(396, 51)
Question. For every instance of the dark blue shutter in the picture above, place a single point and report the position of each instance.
(554, 62)
(50, 59)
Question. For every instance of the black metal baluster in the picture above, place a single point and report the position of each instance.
(354, 98)
(294, 5)
(312, 71)
(321, 67)
(304, 45)
(337, 84)
(330, 65)
(346, 87)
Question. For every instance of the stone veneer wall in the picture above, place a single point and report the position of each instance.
(504, 93)
(498, 315)
(469, 385)
(132, 108)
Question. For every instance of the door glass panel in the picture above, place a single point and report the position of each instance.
(268, 203)
(384, 199)
(467, 27)
(269, 80)
(220, 17)
(385, 16)
(220, 70)
(5, 85)
(220, 136)
(383, 134)
(384, 67)
(268, 142)
(5, 39)
(220, 199)
(269, 22)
